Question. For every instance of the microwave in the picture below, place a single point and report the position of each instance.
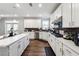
(57, 23)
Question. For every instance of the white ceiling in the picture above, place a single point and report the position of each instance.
(11, 9)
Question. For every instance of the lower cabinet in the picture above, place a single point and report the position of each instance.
(52, 42)
(44, 36)
(58, 48)
(16, 48)
(31, 35)
(56, 45)
(13, 49)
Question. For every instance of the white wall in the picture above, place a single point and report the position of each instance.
(32, 23)
(2, 25)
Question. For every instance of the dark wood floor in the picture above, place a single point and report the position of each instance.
(36, 48)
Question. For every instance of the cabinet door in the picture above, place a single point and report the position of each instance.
(26, 41)
(20, 46)
(58, 12)
(53, 43)
(45, 36)
(66, 13)
(40, 35)
(75, 14)
(58, 48)
(31, 35)
(13, 49)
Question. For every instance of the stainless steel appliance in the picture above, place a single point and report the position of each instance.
(58, 23)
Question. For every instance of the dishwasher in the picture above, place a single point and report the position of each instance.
(36, 34)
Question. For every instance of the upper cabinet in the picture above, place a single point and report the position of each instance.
(70, 13)
(32, 23)
(66, 15)
(56, 15)
(75, 14)
(58, 12)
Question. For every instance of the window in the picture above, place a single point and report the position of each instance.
(9, 25)
(45, 24)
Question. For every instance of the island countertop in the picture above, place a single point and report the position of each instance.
(10, 40)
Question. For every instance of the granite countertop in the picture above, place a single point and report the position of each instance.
(69, 43)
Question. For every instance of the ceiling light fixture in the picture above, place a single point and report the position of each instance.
(40, 5)
(17, 5)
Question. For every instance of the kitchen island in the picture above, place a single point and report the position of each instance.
(14, 46)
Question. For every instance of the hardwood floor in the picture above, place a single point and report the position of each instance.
(36, 48)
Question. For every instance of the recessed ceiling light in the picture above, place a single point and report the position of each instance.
(18, 5)
(40, 5)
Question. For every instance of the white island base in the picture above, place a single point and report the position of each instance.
(14, 46)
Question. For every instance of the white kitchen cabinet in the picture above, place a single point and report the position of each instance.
(44, 35)
(55, 15)
(32, 23)
(17, 48)
(21, 46)
(68, 52)
(52, 18)
(75, 14)
(23, 43)
(70, 12)
(58, 48)
(31, 35)
(52, 42)
(58, 12)
(66, 15)
(13, 49)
